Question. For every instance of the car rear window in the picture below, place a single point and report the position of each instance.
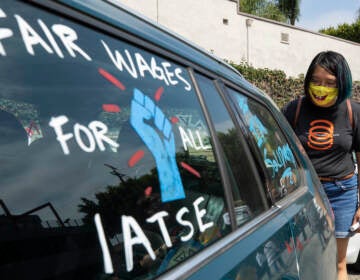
(107, 165)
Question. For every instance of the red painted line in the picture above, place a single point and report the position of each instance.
(174, 120)
(29, 131)
(111, 108)
(190, 169)
(30, 128)
(33, 124)
(299, 244)
(111, 79)
(158, 93)
(148, 191)
(135, 158)
(288, 247)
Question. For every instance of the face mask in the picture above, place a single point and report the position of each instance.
(323, 96)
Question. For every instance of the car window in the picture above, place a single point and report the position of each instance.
(248, 194)
(106, 157)
(282, 169)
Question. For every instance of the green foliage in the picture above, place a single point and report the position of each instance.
(279, 10)
(274, 82)
(251, 6)
(272, 11)
(290, 8)
(262, 8)
(345, 31)
(356, 91)
(280, 88)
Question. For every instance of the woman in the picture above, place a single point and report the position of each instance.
(328, 127)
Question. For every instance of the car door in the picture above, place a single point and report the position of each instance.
(123, 174)
(120, 162)
(261, 246)
(293, 186)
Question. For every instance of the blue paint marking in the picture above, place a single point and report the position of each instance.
(242, 102)
(256, 127)
(258, 130)
(288, 174)
(159, 138)
(280, 157)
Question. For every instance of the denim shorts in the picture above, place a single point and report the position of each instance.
(343, 197)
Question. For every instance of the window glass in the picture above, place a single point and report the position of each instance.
(248, 195)
(281, 166)
(98, 136)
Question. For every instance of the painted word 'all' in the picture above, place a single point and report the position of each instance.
(189, 140)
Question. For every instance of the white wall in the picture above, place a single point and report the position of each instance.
(201, 21)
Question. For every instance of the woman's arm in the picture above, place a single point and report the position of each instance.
(358, 173)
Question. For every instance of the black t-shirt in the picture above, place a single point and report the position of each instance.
(327, 135)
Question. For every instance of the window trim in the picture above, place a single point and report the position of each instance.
(217, 149)
(255, 153)
(244, 142)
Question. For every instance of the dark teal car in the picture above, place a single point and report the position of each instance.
(129, 153)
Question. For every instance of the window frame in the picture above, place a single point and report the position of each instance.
(255, 150)
(219, 153)
(243, 139)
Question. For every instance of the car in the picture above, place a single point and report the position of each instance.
(353, 250)
(352, 254)
(127, 152)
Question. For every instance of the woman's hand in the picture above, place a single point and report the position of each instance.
(356, 220)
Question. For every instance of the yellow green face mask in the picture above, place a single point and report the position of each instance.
(323, 96)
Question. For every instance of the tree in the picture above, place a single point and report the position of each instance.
(262, 8)
(291, 9)
(345, 31)
(251, 6)
(272, 11)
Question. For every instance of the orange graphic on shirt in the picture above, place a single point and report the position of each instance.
(321, 135)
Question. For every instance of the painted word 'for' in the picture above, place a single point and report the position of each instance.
(133, 234)
(95, 135)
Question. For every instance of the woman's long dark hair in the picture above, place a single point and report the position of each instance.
(335, 64)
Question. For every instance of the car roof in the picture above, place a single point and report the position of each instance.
(120, 16)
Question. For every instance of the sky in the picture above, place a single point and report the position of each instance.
(317, 14)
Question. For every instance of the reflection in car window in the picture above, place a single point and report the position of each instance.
(99, 128)
(249, 198)
(276, 154)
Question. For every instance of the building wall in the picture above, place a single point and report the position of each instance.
(216, 26)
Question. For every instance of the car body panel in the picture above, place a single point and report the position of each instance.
(352, 253)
